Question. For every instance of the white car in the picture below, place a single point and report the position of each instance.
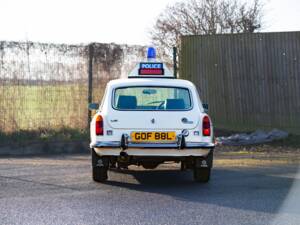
(148, 119)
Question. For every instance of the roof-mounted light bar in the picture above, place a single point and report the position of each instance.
(151, 67)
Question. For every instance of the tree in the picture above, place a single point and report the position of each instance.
(200, 17)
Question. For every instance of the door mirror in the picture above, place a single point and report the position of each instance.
(93, 106)
(205, 107)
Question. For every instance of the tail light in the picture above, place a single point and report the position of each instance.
(99, 125)
(206, 130)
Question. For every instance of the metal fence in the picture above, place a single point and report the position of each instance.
(46, 86)
(249, 80)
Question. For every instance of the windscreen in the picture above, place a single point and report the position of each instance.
(152, 98)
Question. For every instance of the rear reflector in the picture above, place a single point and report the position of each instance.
(206, 126)
(99, 125)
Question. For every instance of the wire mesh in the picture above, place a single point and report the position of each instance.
(45, 86)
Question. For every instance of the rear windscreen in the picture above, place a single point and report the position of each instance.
(152, 98)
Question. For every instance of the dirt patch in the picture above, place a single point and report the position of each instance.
(291, 145)
(263, 148)
(259, 155)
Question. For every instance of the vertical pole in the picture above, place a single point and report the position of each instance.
(90, 79)
(175, 61)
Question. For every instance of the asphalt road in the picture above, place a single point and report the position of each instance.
(59, 190)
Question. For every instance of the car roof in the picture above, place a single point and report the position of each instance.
(150, 81)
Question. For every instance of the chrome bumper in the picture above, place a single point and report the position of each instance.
(187, 145)
(142, 152)
(180, 148)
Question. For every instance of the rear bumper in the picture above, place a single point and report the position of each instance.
(151, 149)
(154, 152)
(117, 144)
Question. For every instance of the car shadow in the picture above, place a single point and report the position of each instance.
(249, 189)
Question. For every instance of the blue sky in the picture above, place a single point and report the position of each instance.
(82, 21)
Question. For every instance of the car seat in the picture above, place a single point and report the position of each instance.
(127, 102)
(175, 104)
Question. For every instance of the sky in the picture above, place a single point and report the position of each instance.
(106, 21)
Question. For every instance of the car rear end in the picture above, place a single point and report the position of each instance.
(150, 121)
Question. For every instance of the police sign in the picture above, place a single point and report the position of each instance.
(151, 68)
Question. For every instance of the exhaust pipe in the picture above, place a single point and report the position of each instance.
(123, 157)
(123, 154)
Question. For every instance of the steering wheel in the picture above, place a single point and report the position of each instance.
(160, 106)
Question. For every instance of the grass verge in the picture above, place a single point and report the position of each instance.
(42, 135)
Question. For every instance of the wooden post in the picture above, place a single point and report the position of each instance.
(90, 79)
(175, 61)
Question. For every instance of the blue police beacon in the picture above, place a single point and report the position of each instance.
(151, 54)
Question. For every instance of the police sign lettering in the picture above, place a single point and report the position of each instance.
(151, 68)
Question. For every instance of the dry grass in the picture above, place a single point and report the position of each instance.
(31, 107)
(250, 161)
(41, 135)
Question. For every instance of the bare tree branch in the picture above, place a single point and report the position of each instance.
(199, 17)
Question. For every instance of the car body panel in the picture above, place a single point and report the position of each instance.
(118, 123)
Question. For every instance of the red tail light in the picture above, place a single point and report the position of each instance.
(99, 125)
(206, 126)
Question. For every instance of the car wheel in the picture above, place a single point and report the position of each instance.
(99, 174)
(202, 174)
(99, 167)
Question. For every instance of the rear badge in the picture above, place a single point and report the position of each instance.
(100, 163)
(153, 121)
(186, 121)
(204, 163)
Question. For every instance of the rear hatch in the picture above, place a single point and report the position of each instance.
(154, 120)
(153, 107)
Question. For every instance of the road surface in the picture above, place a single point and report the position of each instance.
(59, 190)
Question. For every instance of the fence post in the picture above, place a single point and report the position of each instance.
(175, 61)
(90, 79)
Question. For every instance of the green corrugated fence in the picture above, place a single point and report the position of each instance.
(250, 81)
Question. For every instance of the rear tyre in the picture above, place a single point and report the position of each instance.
(202, 167)
(99, 174)
(99, 167)
(202, 175)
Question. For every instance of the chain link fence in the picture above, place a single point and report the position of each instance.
(46, 86)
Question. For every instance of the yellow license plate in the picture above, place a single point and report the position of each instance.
(143, 136)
